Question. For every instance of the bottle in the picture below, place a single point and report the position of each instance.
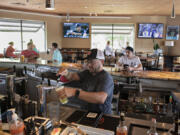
(174, 130)
(149, 105)
(176, 121)
(152, 130)
(16, 125)
(121, 128)
(22, 58)
(169, 107)
(0, 120)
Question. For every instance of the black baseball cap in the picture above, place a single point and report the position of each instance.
(95, 54)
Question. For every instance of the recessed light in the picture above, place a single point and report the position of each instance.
(85, 7)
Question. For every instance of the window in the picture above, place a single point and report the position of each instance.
(21, 32)
(117, 34)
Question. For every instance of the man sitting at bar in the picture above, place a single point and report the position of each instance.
(10, 51)
(30, 53)
(96, 86)
(130, 62)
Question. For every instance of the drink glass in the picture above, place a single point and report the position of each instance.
(53, 111)
(64, 99)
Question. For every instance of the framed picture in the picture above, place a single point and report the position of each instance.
(172, 33)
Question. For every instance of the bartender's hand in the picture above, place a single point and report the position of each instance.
(63, 73)
(67, 92)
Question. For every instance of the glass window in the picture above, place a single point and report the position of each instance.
(10, 30)
(117, 34)
(34, 31)
(21, 32)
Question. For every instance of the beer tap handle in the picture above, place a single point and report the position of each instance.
(25, 70)
(49, 82)
(42, 78)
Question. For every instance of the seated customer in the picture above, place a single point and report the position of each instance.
(57, 57)
(30, 53)
(131, 61)
(96, 86)
(10, 51)
(34, 48)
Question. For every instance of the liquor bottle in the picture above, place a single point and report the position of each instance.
(164, 111)
(121, 128)
(176, 124)
(0, 120)
(152, 130)
(156, 106)
(149, 105)
(174, 130)
(169, 108)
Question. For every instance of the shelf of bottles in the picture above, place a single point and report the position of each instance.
(156, 103)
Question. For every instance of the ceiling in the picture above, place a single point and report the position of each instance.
(96, 7)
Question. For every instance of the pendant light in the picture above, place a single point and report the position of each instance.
(67, 17)
(173, 15)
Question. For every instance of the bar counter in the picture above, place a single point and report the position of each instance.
(110, 122)
(160, 75)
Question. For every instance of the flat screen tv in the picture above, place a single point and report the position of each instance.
(150, 30)
(76, 30)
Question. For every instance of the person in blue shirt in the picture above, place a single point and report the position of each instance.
(57, 57)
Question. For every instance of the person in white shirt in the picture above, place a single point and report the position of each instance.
(108, 49)
(130, 61)
(109, 53)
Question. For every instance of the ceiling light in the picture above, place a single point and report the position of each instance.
(173, 15)
(50, 4)
(85, 7)
(67, 17)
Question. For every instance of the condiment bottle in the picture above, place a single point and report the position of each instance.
(121, 128)
(16, 125)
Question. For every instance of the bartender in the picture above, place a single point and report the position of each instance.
(130, 62)
(96, 85)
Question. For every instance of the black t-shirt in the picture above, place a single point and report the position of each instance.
(102, 81)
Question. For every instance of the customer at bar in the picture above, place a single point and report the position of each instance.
(132, 62)
(96, 85)
(57, 57)
(30, 53)
(10, 51)
(35, 49)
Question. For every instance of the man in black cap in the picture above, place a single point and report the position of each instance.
(96, 85)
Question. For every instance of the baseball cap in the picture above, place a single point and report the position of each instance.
(96, 54)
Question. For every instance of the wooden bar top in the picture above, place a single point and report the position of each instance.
(158, 75)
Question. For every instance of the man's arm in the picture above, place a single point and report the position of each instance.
(71, 76)
(90, 97)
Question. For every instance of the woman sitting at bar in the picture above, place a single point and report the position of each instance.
(130, 62)
(10, 51)
(30, 53)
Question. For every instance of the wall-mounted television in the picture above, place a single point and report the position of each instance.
(76, 30)
(150, 30)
